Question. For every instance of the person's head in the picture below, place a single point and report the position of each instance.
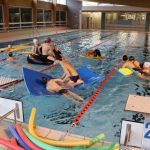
(131, 58)
(10, 54)
(146, 65)
(84, 49)
(125, 58)
(35, 41)
(44, 80)
(48, 40)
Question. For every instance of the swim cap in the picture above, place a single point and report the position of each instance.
(131, 58)
(125, 58)
(85, 49)
(146, 65)
(35, 41)
(10, 54)
(48, 40)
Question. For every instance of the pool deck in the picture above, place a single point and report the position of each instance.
(43, 132)
(30, 33)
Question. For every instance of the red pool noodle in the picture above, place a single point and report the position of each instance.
(25, 139)
(10, 145)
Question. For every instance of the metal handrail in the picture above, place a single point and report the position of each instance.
(128, 134)
(15, 111)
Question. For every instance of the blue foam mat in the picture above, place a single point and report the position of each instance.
(34, 86)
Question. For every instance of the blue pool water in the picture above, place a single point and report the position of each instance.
(107, 111)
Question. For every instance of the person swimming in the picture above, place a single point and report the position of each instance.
(89, 52)
(11, 58)
(144, 73)
(70, 76)
(130, 62)
(55, 86)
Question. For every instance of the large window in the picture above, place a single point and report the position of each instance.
(61, 17)
(63, 2)
(44, 17)
(20, 17)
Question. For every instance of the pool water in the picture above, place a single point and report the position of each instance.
(107, 111)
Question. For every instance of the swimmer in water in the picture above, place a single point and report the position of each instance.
(11, 58)
(94, 53)
(131, 62)
(54, 86)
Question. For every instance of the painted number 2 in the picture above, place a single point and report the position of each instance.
(147, 134)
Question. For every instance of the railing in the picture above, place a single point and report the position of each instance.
(128, 134)
(15, 111)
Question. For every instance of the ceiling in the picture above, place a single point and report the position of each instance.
(138, 3)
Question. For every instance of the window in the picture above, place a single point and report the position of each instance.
(26, 15)
(61, 17)
(47, 1)
(40, 14)
(84, 3)
(1, 18)
(14, 15)
(44, 17)
(63, 2)
(20, 17)
(47, 15)
(1, 15)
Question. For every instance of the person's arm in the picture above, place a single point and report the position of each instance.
(125, 65)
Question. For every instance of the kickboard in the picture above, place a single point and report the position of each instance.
(35, 87)
(125, 71)
(94, 58)
(15, 48)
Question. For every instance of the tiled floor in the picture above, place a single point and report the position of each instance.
(29, 33)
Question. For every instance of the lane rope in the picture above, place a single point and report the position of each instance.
(94, 96)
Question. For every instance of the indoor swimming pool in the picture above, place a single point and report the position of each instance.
(107, 111)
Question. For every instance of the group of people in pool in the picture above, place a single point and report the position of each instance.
(70, 78)
(143, 69)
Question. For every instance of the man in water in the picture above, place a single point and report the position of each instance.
(11, 58)
(46, 47)
(70, 76)
(54, 86)
(144, 73)
(37, 48)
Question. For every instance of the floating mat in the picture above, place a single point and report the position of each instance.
(125, 71)
(34, 86)
(94, 58)
(5, 80)
(15, 48)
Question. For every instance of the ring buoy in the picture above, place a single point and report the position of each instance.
(36, 59)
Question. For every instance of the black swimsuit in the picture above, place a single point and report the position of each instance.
(74, 78)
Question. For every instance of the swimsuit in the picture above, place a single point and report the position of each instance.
(62, 91)
(74, 78)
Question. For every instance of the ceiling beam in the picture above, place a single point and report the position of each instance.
(137, 3)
